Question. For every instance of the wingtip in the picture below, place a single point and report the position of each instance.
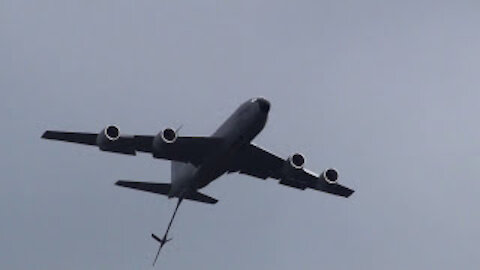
(120, 183)
(45, 135)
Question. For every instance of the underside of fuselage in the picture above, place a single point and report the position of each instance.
(199, 160)
(236, 132)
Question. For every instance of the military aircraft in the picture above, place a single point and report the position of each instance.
(197, 161)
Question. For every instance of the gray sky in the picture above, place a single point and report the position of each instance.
(385, 91)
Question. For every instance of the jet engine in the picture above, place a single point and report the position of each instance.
(297, 161)
(330, 176)
(107, 137)
(163, 139)
(168, 135)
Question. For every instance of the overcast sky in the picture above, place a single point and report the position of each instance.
(387, 92)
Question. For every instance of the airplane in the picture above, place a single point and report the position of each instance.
(197, 161)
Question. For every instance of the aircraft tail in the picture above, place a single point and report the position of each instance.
(164, 189)
(200, 197)
(159, 188)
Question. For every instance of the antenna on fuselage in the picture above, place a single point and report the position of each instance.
(178, 129)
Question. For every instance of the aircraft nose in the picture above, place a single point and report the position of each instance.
(264, 105)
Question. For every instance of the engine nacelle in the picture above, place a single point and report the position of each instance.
(168, 135)
(297, 161)
(107, 138)
(163, 139)
(330, 176)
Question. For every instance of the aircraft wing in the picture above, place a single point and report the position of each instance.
(185, 149)
(260, 163)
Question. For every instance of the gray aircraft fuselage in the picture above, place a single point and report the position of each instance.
(237, 131)
(197, 161)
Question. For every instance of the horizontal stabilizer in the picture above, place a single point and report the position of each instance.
(159, 188)
(200, 197)
(164, 189)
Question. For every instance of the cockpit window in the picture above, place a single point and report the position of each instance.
(253, 100)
